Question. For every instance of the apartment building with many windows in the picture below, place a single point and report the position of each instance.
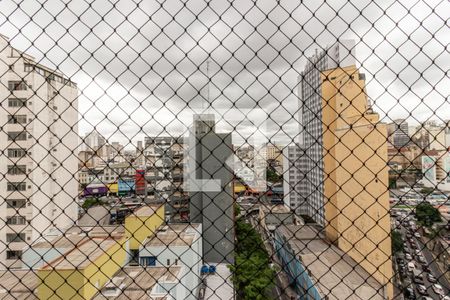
(37, 164)
(341, 54)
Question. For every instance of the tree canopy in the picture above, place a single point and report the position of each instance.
(252, 275)
(427, 215)
(397, 241)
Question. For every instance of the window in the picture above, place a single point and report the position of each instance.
(18, 203)
(17, 102)
(14, 254)
(17, 169)
(17, 152)
(17, 220)
(17, 85)
(16, 186)
(17, 119)
(28, 67)
(17, 136)
(148, 261)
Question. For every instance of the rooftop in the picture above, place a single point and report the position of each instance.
(82, 255)
(146, 211)
(96, 215)
(219, 285)
(18, 284)
(334, 273)
(137, 282)
(175, 235)
(77, 234)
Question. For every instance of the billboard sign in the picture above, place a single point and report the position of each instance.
(429, 168)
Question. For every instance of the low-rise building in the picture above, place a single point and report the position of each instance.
(176, 245)
(79, 262)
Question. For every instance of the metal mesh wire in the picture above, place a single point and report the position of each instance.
(224, 149)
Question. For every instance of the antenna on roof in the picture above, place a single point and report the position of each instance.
(209, 81)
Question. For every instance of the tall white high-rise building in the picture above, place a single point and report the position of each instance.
(400, 135)
(341, 54)
(38, 162)
(94, 141)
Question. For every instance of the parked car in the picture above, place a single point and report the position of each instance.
(422, 289)
(417, 235)
(418, 280)
(437, 288)
(418, 252)
(426, 268)
(409, 293)
(411, 267)
(431, 278)
(444, 297)
(421, 259)
(408, 256)
(406, 250)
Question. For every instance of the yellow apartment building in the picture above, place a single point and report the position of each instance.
(356, 174)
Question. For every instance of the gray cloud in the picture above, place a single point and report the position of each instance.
(142, 66)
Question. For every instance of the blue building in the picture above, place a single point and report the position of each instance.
(126, 186)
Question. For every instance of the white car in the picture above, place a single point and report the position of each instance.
(437, 288)
(445, 297)
(417, 235)
(408, 257)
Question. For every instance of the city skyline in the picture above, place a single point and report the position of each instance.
(225, 150)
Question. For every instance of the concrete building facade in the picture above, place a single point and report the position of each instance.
(398, 133)
(209, 181)
(356, 174)
(177, 245)
(340, 54)
(294, 179)
(39, 138)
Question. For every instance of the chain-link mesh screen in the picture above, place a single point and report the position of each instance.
(224, 149)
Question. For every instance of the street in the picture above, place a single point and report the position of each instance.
(410, 245)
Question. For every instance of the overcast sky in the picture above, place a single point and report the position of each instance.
(141, 65)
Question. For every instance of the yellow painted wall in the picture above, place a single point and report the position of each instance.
(113, 188)
(138, 228)
(99, 272)
(239, 187)
(356, 174)
(54, 287)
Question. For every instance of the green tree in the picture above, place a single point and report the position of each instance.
(427, 190)
(90, 202)
(427, 215)
(252, 275)
(272, 175)
(237, 210)
(396, 241)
